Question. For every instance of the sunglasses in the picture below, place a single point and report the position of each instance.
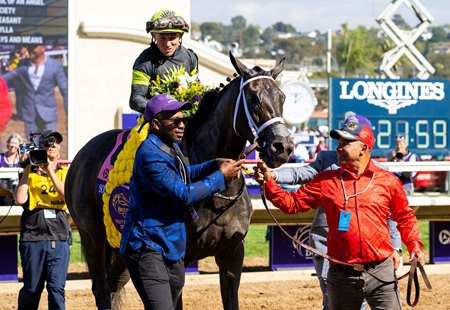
(176, 121)
(399, 138)
(176, 22)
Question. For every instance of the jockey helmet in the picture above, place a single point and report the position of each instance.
(166, 21)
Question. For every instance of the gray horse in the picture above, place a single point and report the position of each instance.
(249, 108)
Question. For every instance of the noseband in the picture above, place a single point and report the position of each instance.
(251, 123)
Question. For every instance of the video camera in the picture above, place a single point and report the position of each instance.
(36, 156)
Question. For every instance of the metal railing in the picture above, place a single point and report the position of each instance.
(427, 206)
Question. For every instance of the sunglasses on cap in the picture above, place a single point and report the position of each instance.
(352, 126)
(176, 121)
(176, 22)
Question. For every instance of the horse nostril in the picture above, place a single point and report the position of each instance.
(278, 147)
(289, 149)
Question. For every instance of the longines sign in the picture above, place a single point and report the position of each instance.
(392, 95)
(417, 109)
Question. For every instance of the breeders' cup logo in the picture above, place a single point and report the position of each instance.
(302, 235)
(392, 95)
(118, 206)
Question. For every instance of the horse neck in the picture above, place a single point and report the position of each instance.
(216, 137)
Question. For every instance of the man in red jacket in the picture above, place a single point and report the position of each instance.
(357, 199)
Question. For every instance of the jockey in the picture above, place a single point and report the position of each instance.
(165, 52)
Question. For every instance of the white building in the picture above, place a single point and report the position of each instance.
(105, 37)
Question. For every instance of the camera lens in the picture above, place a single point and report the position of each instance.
(399, 155)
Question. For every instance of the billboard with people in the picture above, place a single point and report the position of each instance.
(33, 64)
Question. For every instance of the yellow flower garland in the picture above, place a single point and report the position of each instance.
(120, 175)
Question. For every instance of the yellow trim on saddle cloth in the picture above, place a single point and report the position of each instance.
(120, 175)
(42, 193)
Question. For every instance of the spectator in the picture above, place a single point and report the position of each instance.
(44, 228)
(34, 82)
(10, 159)
(402, 154)
(322, 146)
(357, 199)
(165, 53)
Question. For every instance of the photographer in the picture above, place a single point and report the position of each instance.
(44, 229)
(402, 154)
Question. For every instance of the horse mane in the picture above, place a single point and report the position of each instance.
(209, 102)
(207, 105)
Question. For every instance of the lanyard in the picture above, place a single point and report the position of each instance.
(354, 195)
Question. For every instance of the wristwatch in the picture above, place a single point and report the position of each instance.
(400, 251)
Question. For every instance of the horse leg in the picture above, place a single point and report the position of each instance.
(118, 276)
(94, 244)
(230, 269)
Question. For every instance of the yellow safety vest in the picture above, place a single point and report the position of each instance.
(42, 193)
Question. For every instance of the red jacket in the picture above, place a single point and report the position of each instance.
(379, 194)
(5, 105)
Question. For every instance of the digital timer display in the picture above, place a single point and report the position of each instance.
(419, 110)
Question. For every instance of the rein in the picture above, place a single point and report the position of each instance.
(241, 191)
(412, 273)
(412, 277)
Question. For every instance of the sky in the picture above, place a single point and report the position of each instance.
(308, 15)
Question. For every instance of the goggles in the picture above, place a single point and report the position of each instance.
(167, 23)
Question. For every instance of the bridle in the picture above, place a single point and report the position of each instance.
(251, 123)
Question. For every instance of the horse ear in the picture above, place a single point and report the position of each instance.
(239, 66)
(278, 68)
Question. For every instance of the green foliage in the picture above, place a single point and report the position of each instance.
(255, 242)
(284, 28)
(357, 52)
(438, 34)
(76, 255)
(215, 31)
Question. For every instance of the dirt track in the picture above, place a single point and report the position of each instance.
(278, 290)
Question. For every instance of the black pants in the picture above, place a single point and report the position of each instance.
(159, 282)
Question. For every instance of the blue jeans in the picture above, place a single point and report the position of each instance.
(43, 261)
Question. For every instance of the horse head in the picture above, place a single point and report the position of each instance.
(261, 100)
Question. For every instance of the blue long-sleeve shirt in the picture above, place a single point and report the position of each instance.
(159, 198)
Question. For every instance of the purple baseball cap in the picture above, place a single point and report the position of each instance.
(356, 127)
(163, 102)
